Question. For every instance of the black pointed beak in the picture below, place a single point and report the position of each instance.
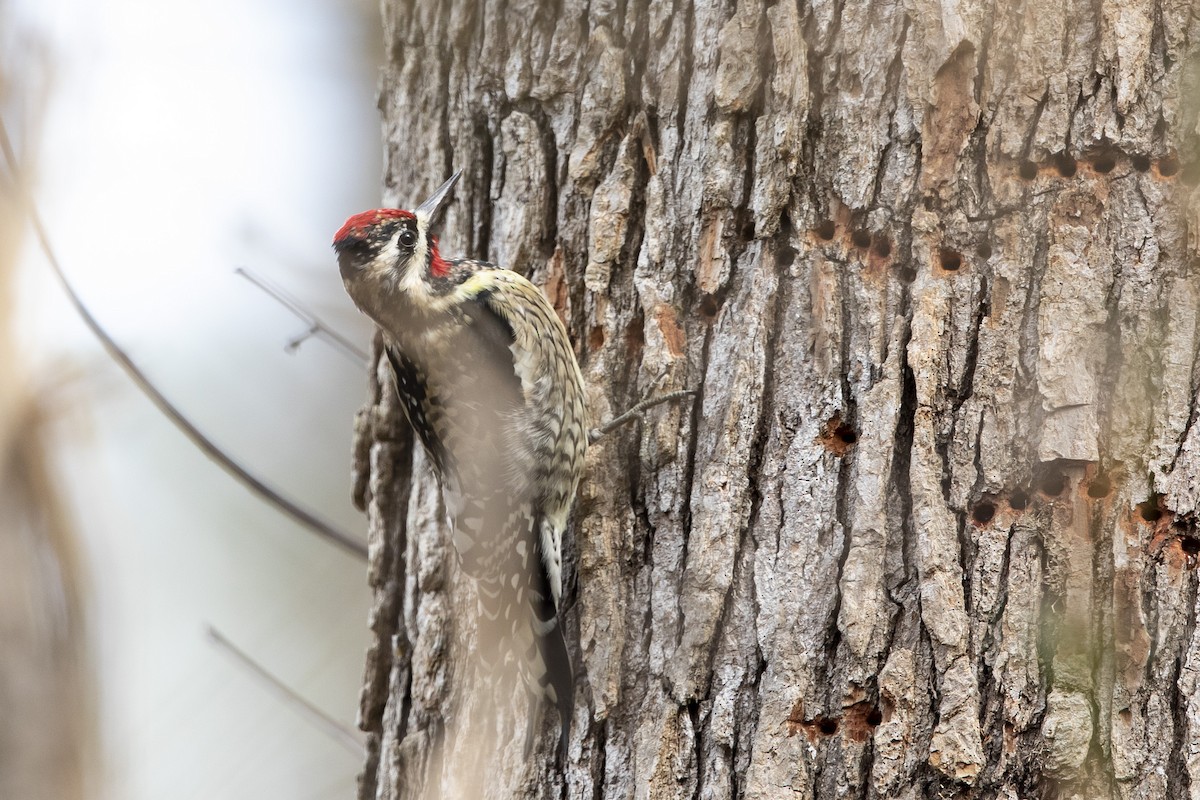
(430, 208)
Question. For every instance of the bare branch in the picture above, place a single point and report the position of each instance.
(346, 737)
(598, 433)
(316, 327)
(222, 459)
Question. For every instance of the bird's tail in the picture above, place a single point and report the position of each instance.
(522, 624)
(557, 680)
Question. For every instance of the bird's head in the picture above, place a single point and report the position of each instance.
(388, 250)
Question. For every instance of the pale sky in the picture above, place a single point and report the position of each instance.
(182, 140)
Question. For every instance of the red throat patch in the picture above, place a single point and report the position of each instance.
(438, 266)
(357, 226)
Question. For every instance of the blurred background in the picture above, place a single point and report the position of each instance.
(166, 145)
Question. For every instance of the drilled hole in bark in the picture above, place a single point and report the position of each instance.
(595, 338)
(825, 230)
(1019, 500)
(1191, 174)
(827, 726)
(983, 512)
(1168, 166)
(709, 307)
(882, 246)
(984, 251)
(907, 274)
(785, 256)
(1052, 484)
(837, 435)
(1100, 486)
(950, 260)
(1028, 170)
(1149, 510)
(1189, 545)
(874, 718)
(1104, 163)
(861, 238)
(1065, 165)
(1140, 162)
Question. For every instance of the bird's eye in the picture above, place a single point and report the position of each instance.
(408, 238)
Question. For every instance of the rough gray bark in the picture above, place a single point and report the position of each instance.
(930, 528)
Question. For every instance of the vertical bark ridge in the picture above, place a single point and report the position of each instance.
(932, 270)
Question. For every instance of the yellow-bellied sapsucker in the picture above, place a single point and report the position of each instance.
(489, 382)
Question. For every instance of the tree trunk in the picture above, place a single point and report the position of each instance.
(929, 527)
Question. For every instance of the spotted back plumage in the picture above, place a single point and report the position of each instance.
(489, 382)
(494, 392)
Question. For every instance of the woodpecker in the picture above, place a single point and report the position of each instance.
(490, 384)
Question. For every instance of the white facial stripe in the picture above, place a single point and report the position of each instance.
(384, 267)
(382, 263)
(412, 280)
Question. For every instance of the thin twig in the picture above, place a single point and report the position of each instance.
(300, 515)
(334, 729)
(597, 433)
(316, 327)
